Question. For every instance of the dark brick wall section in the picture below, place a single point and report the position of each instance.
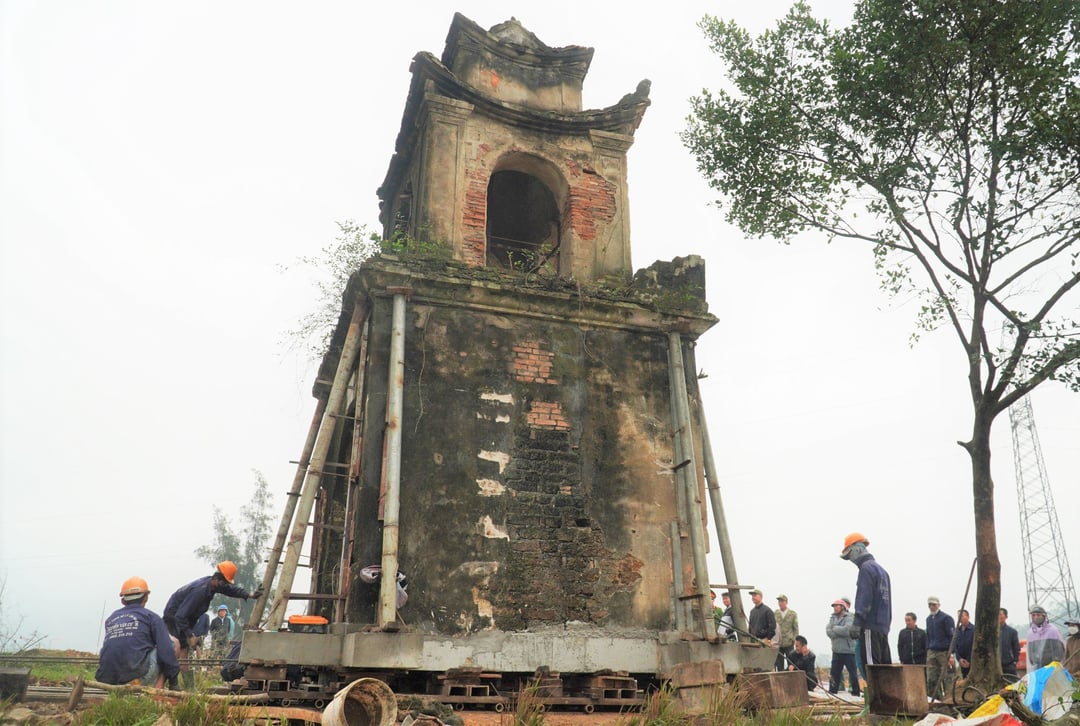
(592, 203)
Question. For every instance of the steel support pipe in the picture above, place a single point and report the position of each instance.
(349, 352)
(352, 485)
(392, 499)
(686, 471)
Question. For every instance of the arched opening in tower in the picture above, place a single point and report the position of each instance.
(523, 223)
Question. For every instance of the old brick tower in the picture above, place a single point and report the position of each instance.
(496, 156)
(510, 412)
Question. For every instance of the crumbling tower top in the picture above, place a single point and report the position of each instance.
(510, 64)
(497, 159)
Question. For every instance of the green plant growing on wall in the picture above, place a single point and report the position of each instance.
(530, 261)
(335, 264)
(331, 269)
(418, 247)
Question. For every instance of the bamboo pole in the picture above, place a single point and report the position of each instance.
(286, 518)
(228, 697)
(727, 555)
(687, 471)
(349, 352)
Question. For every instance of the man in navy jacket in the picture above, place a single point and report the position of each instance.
(965, 639)
(873, 602)
(137, 647)
(192, 600)
(1010, 644)
(939, 633)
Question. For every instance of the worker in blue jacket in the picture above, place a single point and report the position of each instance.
(137, 647)
(873, 602)
(191, 601)
(965, 639)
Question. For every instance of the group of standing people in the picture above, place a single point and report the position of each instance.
(859, 632)
(860, 636)
(945, 646)
(144, 648)
(768, 626)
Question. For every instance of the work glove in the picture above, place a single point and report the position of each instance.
(257, 592)
(193, 642)
(855, 632)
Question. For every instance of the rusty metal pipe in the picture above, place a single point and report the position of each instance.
(679, 605)
(352, 486)
(349, 352)
(688, 473)
(286, 518)
(392, 499)
(684, 610)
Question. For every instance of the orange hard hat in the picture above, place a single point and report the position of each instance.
(134, 588)
(855, 537)
(227, 570)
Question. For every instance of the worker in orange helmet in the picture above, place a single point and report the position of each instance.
(137, 647)
(193, 599)
(873, 602)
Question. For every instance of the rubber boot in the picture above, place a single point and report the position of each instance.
(188, 679)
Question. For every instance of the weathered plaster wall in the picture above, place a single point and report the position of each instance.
(536, 483)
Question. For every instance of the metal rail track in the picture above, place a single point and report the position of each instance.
(89, 660)
(60, 693)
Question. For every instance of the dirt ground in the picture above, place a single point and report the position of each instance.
(52, 712)
(551, 718)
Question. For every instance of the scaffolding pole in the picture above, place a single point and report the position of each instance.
(349, 353)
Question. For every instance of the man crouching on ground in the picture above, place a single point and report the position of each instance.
(137, 648)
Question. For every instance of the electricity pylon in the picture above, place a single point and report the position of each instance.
(1046, 566)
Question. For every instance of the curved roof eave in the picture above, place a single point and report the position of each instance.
(621, 118)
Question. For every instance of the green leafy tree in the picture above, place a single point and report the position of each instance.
(247, 548)
(944, 134)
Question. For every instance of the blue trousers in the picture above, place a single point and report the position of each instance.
(840, 661)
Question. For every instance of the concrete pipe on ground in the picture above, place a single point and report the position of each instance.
(364, 702)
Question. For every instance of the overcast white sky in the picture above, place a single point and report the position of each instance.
(160, 161)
